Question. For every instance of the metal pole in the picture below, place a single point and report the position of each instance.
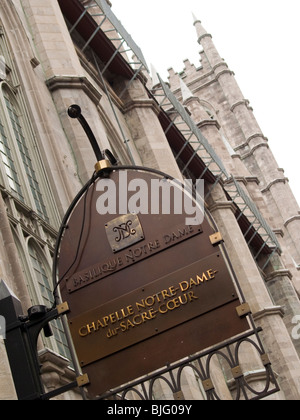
(74, 112)
(22, 334)
(24, 369)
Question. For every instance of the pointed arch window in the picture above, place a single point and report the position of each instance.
(17, 154)
(42, 274)
(9, 165)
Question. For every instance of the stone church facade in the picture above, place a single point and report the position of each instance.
(197, 125)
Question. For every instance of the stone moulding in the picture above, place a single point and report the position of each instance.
(74, 82)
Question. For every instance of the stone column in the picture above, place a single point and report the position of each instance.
(255, 149)
(141, 115)
(66, 80)
(276, 338)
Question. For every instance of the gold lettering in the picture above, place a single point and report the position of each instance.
(130, 324)
(99, 324)
(118, 316)
(111, 333)
(192, 296)
(112, 318)
(150, 301)
(105, 320)
(184, 286)
(138, 320)
(147, 316)
(201, 279)
(135, 319)
(83, 332)
(181, 301)
(193, 282)
(173, 290)
(157, 297)
(165, 294)
(141, 312)
(125, 325)
(160, 309)
(91, 327)
(140, 305)
(127, 311)
(152, 313)
(173, 304)
(211, 274)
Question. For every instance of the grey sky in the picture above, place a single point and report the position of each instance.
(259, 40)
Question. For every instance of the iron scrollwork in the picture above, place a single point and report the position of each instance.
(239, 380)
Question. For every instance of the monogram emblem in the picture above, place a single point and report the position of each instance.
(124, 231)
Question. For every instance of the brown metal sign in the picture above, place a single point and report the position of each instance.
(152, 309)
(131, 256)
(144, 289)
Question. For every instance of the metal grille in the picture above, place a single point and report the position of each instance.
(100, 11)
(240, 382)
(257, 223)
(191, 133)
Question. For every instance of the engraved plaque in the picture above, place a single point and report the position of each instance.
(143, 290)
(124, 231)
(157, 307)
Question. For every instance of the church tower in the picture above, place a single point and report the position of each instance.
(217, 105)
(255, 152)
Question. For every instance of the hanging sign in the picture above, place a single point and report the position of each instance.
(143, 277)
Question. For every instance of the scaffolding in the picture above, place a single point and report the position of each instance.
(256, 230)
(257, 226)
(105, 22)
(95, 19)
(192, 134)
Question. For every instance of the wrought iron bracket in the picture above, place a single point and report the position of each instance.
(22, 334)
(243, 310)
(216, 239)
(102, 164)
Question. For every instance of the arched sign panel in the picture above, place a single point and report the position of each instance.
(145, 284)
